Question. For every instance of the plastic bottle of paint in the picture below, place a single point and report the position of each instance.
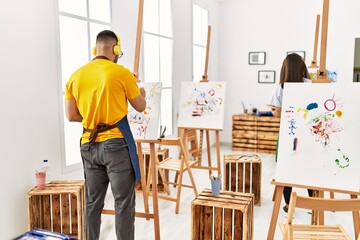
(46, 168)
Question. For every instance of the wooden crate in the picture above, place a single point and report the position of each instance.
(255, 134)
(242, 173)
(58, 208)
(161, 154)
(227, 216)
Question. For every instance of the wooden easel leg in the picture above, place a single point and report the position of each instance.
(201, 139)
(208, 147)
(217, 136)
(275, 213)
(321, 213)
(154, 191)
(143, 181)
(356, 219)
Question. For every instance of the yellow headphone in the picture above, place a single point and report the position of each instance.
(116, 49)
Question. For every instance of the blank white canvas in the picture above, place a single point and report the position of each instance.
(202, 105)
(319, 136)
(145, 125)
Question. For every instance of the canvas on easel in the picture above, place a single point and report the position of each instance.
(319, 129)
(145, 125)
(202, 105)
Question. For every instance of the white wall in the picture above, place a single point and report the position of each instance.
(277, 26)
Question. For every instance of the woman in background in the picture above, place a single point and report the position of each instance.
(293, 70)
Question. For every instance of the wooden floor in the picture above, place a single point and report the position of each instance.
(178, 226)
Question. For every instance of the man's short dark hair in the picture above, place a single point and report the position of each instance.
(106, 35)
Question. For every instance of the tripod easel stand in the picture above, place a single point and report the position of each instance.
(321, 76)
(279, 186)
(314, 63)
(190, 131)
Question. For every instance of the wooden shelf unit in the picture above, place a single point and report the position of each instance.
(251, 133)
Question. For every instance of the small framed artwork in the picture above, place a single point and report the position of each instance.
(300, 53)
(257, 58)
(266, 77)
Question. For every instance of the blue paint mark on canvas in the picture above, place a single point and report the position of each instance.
(312, 106)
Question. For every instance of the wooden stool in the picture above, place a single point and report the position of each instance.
(161, 154)
(243, 174)
(59, 208)
(227, 216)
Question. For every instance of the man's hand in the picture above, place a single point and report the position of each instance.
(142, 92)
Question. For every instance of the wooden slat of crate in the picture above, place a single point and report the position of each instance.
(72, 183)
(50, 208)
(242, 173)
(227, 216)
(244, 117)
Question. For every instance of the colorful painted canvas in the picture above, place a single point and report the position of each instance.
(318, 140)
(145, 125)
(202, 105)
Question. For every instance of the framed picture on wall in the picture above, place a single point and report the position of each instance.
(257, 58)
(300, 53)
(266, 76)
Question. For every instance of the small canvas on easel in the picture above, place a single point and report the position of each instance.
(318, 140)
(202, 105)
(145, 125)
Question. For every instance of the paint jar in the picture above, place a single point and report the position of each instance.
(40, 180)
(215, 186)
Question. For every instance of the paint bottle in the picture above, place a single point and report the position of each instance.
(45, 168)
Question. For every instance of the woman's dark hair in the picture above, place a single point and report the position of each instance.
(293, 69)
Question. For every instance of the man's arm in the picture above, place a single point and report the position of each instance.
(139, 102)
(72, 112)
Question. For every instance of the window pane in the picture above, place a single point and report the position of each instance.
(166, 118)
(77, 7)
(73, 132)
(204, 26)
(198, 63)
(151, 58)
(95, 28)
(100, 10)
(165, 18)
(196, 24)
(151, 16)
(166, 62)
(74, 46)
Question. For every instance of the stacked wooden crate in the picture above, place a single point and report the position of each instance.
(227, 216)
(242, 173)
(255, 134)
(59, 208)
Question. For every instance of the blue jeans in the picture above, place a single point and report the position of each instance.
(105, 162)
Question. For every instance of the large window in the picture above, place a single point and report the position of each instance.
(200, 29)
(158, 42)
(79, 23)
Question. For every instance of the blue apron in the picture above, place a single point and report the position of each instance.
(124, 127)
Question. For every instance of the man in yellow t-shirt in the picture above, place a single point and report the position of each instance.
(97, 95)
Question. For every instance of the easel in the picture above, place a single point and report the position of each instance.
(217, 138)
(279, 186)
(314, 63)
(217, 143)
(321, 74)
(152, 169)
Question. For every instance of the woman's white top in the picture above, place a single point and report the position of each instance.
(276, 98)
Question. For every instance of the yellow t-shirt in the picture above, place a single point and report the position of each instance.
(101, 89)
